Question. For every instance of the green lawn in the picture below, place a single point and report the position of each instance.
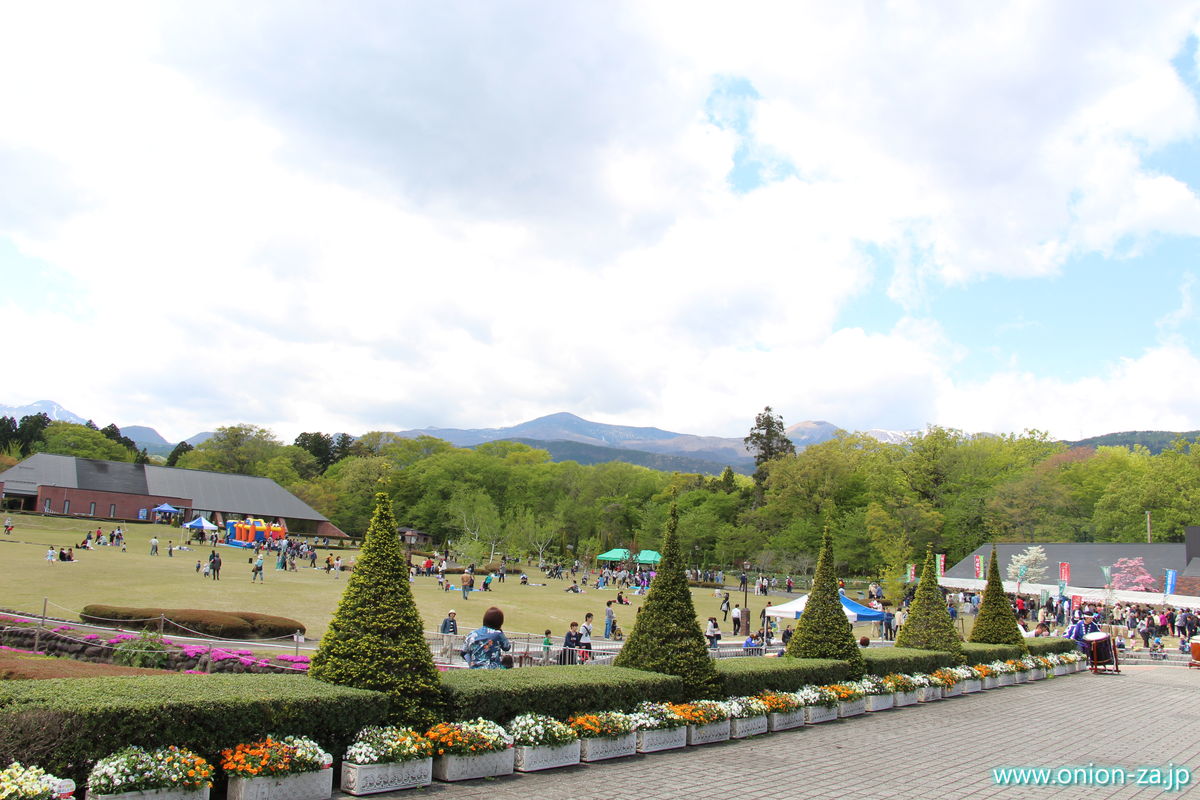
(134, 578)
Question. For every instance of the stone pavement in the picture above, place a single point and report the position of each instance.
(1147, 716)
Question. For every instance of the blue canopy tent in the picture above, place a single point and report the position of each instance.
(854, 611)
(200, 524)
(166, 508)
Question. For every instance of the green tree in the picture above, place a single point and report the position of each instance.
(319, 445)
(178, 452)
(996, 622)
(238, 449)
(375, 639)
(69, 439)
(30, 430)
(768, 440)
(823, 631)
(666, 637)
(928, 626)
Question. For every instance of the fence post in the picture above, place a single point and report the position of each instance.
(161, 618)
(37, 634)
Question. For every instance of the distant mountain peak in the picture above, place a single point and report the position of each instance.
(48, 407)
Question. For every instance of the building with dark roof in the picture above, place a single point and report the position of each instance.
(116, 490)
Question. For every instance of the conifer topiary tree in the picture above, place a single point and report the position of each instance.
(928, 626)
(376, 640)
(666, 637)
(996, 622)
(823, 631)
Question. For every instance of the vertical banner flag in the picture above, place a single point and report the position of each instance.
(1107, 575)
(978, 566)
(912, 573)
(941, 562)
(1169, 583)
(1043, 597)
(1064, 571)
(1062, 588)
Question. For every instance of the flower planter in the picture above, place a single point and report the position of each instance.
(655, 739)
(745, 728)
(707, 734)
(879, 702)
(156, 794)
(927, 694)
(1021, 677)
(972, 685)
(785, 720)
(991, 682)
(361, 779)
(901, 699)
(1080, 666)
(531, 758)
(305, 786)
(952, 691)
(852, 708)
(1061, 669)
(814, 715)
(606, 747)
(1006, 679)
(451, 768)
(1037, 674)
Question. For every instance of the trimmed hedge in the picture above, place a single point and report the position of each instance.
(1045, 645)
(501, 694)
(977, 653)
(746, 676)
(226, 624)
(886, 660)
(65, 725)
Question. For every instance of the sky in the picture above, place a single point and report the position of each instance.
(383, 216)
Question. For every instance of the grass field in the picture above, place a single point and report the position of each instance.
(134, 578)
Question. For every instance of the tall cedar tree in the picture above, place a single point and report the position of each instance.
(928, 626)
(996, 623)
(666, 637)
(376, 640)
(823, 630)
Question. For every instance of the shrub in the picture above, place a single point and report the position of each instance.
(887, 660)
(823, 630)
(1045, 645)
(928, 626)
(66, 725)
(227, 624)
(666, 637)
(375, 639)
(996, 622)
(746, 676)
(147, 650)
(977, 653)
(502, 694)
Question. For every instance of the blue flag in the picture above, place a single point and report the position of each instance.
(1169, 583)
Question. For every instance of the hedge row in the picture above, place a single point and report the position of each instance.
(1045, 645)
(886, 660)
(977, 653)
(501, 695)
(746, 676)
(65, 725)
(226, 624)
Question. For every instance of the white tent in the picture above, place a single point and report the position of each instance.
(854, 612)
(1088, 593)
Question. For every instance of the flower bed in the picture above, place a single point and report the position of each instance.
(784, 711)
(542, 742)
(287, 768)
(608, 734)
(384, 759)
(658, 728)
(169, 772)
(747, 716)
(20, 782)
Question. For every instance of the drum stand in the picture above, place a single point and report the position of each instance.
(1103, 662)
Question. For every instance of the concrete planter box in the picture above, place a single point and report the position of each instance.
(814, 715)
(305, 786)
(707, 734)
(952, 691)
(852, 708)
(1021, 677)
(653, 740)
(1006, 679)
(902, 699)
(972, 685)
(991, 682)
(606, 747)
(531, 758)
(452, 768)
(1080, 666)
(361, 779)
(1037, 674)
(879, 702)
(1061, 669)
(927, 694)
(156, 794)
(785, 720)
(745, 728)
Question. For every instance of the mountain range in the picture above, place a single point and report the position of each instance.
(568, 437)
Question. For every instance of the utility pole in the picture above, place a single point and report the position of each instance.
(1147, 526)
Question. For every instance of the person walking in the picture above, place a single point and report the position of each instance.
(725, 608)
(737, 619)
(215, 564)
(609, 618)
(153, 545)
(466, 585)
(257, 572)
(51, 555)
(448, 630)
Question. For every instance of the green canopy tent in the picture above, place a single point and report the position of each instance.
(648, 557)
(616, 554)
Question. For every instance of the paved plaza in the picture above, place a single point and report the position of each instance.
(1145, 717)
